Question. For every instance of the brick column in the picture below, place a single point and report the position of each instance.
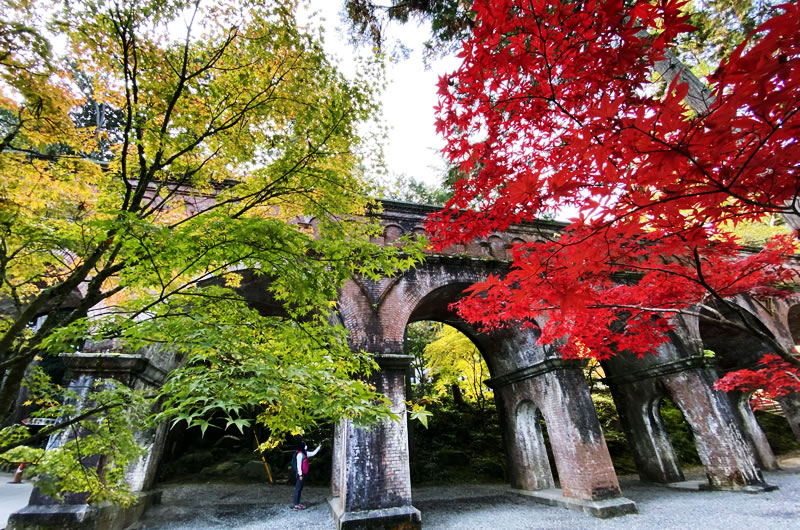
(721, 444)
(791, 408)
(752, 430)
(73, 511)
(372, 478)
(637, 406)
(557, 390)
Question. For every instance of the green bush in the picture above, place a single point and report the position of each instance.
(460, 445)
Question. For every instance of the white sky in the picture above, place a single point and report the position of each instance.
(412, 147)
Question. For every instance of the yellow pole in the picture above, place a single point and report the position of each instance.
(266, 466)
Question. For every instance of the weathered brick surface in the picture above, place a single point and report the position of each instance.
(681, 374)
(721, 445)
(562, 398)
(376, 472)
(377, 313)
(370, 466)
(637, 405)
(754, 435)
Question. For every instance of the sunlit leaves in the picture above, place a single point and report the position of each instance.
(452, 359)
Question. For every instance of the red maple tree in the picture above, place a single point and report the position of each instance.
(554, 107)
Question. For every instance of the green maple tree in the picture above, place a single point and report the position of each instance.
(234, 147)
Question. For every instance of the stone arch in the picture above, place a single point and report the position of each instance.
(377, 313)
(637, 402)
(780, 320)
(254, 289)
(497, 247)
(683, 375)
(391, 233)
(734, 348)
(755, 435)
(666, 455)
(657, 413)
(721, 443)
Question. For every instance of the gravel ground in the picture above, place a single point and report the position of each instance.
(252, 506)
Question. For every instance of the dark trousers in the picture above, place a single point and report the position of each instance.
(298, 488)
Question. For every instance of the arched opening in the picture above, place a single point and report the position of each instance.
(463, 441)
(679, 431)
(223, 449)
(535, 468)
(771, 418)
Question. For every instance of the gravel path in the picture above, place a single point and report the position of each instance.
(256, 506)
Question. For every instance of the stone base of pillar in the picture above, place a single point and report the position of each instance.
(703, 485)
(104, 516)
(399, 518)
(603, 508)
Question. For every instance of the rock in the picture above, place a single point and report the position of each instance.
(193, 462)
(254, 470)
(227, 468)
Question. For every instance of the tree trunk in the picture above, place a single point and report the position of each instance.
(458, 398)
(10, 390)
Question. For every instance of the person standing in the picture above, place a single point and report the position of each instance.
(301, 457)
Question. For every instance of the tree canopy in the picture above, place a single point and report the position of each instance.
(553, 107)
(451, 21)
(154, 153)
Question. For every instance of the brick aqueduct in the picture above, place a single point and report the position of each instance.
(371, 484)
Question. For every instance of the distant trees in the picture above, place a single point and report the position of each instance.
(447, 363)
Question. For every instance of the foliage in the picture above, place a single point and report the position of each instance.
(451, 21)
(418, 412)
(680, 433)
(106, 424)
(720, 26)
(445, 358)
(234, 149)
(758, 234)
(409, 189)
(775, 375)
(460, 445)
(781, 439)
(553, 107)
(418, 336)
(452, 359)
(266, 371)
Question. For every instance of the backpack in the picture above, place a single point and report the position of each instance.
(303, 466)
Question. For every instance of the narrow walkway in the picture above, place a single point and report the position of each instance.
(12, 496)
